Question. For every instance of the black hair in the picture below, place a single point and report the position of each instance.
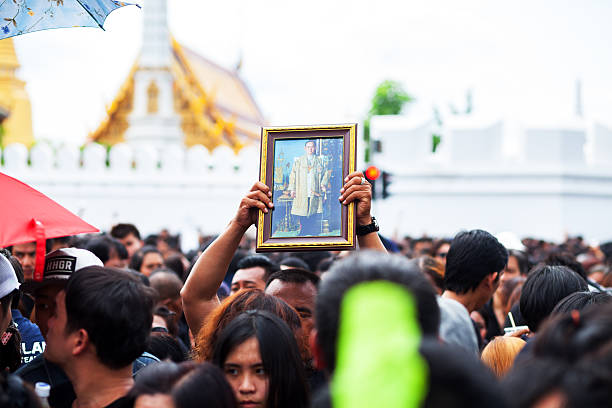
(159, 378)
(367, 266)
(6, 302)
(325, 264)
(566, 259)
(471, 257)
(580, 300)
(312, 258)
(151, 240)
(164, 346)
(606, 248)
(573, 336)
(279, 354)
(205, 386)
(544, 287)
(295, 262)
(121, 231)
(294, 275)
(437, 244)
(252, 261)
(15, 393)
(115, 309)
(457, 379)
(175, 263)
(138, 257)
(587, 383)
(522, 260)
(103, 247)
(528, 382)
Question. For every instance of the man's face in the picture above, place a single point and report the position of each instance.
(512, 270)
(58, 348)
(299, 295)
(114, 261)
(422, 248)
(310, 148)
(44, 299)
(249, 278)
(132, 244)
(26, 253)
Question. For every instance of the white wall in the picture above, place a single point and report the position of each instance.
(183, 191)
(546, 190)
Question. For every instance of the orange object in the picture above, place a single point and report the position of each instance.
(372, 173)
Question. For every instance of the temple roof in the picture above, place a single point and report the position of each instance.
(215, 105)
(15, 110)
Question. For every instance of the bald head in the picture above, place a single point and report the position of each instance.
(167, 284)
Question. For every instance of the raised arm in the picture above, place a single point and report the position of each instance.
(353, 190)
(199, 294)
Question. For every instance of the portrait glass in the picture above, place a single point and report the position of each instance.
(307, 175)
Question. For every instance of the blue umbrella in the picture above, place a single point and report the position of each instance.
(25, 16)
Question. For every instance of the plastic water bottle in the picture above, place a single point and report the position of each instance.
(43, 389)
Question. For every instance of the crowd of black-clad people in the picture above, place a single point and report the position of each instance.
(121, 320)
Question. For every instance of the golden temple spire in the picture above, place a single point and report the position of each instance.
(15, 109)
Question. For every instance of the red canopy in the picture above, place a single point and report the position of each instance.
(27, 215)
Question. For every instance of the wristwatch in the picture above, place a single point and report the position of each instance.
(366, 229)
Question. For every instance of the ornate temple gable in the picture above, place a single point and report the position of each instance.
(174, 96)
(112, 129)
(231, 95)
(224, 113)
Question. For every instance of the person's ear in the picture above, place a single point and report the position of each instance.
(80, 342)
(316, 350)
(492, 280)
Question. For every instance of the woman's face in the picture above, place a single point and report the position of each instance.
(442, 252)
(150, 262)
(245, 372)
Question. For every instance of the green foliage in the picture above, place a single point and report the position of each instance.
(435, 139)
(389, 99)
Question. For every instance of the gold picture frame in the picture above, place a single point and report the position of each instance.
(305, 167)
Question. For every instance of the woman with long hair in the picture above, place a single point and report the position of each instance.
(260, 358)
(249, 299)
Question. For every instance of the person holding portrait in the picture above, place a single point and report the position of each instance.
(307, 188)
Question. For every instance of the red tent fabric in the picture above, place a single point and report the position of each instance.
(27, 215)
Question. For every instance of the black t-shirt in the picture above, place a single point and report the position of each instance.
(63, 396)
(123, 402)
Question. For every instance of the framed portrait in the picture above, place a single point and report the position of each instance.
(305, 167)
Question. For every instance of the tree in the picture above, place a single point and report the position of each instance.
(389, 99)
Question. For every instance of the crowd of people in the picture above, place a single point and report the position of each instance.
(120, 320)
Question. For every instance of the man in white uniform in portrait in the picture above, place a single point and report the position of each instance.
(307, 187)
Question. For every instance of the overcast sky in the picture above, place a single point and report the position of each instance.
(320, 61)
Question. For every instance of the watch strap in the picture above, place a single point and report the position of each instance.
(367, 229)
